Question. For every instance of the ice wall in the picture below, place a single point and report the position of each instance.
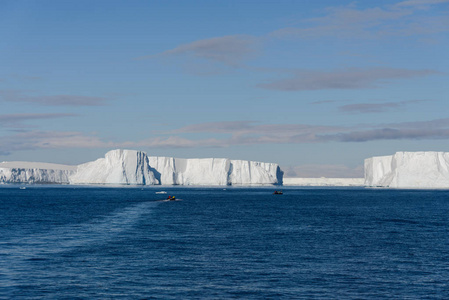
(378, 170)
(214, 171)
(136, 168)
(408, 170)
(28, 172)
(117, 167)
(253, 173)
(178, 171)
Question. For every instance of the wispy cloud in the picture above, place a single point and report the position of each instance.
(17, 120)
(217, 127)
(229, 50)
(177, 142)
(341, 22)
(432, 124)
(420, 3)
(434, 129)
(369, 107)
(32, 140)
(401, 19)
(323, 102)
(235, 133)
(351, 78)
(24, 78)
(52, 100)
(249, 133)
(376, 107)
(391, 134)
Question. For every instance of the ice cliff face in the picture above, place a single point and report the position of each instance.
(244, 172)
(214, 171)
(117, 167)
(135, 167)
(408, 170)
(401, 170)
(178, 171)
(25, 172)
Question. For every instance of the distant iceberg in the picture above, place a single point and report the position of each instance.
(131, 167)
(408, 170)
(32, 172)
(215, 171)
(324, 181)
(135, 167)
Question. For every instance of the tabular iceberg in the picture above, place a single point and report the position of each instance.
(408, 170)
(214, 171)
(117, 167)
(137, 168)
(196, 171)
(28, 172)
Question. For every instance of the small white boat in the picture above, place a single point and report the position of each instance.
(161, 192)
(23, 188)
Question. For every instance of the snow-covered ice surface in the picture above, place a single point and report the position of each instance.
(35, 172)
(408, 170)
(323, 181)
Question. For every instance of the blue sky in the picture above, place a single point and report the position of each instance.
(316, 86)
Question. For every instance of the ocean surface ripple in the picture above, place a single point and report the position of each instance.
(61, 242)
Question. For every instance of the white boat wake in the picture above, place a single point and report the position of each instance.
(16, 253)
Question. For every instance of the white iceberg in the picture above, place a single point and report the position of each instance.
(196, 171)
(132, 167)
(32, 172)
(117, 167)
(408, 170)
(214, 171)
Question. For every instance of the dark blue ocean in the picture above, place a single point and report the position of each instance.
(65, 242)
